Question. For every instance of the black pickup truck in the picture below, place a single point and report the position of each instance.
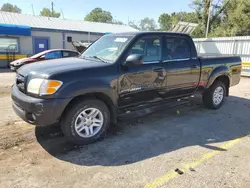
(120, 76)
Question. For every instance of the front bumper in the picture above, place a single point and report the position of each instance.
(37, 111)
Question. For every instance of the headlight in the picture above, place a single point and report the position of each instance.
(43, 87)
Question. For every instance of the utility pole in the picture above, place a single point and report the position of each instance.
(208, 17)
(62, 13)
(33, 9)
(52, 9)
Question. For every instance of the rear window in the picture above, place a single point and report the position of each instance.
(176, 48)
(69, 54)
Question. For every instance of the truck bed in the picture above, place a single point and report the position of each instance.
(231, 63)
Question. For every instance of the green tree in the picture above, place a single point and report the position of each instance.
(47, 12)
(227, 18)
(134, 25)
(7, 7)
(99, 15)
(235, 20)
(147, 24)
(184, 16)
(165, 22)
(201, 8)
(117, 22)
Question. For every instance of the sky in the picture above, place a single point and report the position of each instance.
(122, 10)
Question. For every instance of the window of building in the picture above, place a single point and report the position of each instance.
(177, 48)
(8, 44)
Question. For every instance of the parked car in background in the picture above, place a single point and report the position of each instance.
(45, 55)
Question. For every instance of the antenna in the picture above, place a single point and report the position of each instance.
(33, 9)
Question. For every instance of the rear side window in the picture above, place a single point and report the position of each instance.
(69, 54)
(176, 48)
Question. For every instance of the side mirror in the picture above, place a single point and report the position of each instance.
(134, 59)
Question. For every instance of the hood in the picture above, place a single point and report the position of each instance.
(49, 67)
(21, 61)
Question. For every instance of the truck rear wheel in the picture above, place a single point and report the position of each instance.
(86, 122)
(213, 98)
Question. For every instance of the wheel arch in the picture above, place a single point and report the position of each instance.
(95, 95)
(222, 74)
(225, 80)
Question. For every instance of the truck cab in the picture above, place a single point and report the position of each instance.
(120, 76)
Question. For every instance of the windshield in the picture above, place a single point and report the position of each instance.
(107, 48)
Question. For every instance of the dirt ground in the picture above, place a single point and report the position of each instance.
(188, 146)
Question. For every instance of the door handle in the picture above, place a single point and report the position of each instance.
(194, 66)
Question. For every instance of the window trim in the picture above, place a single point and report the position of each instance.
(18, 44)
(165, 46)
(160, 37)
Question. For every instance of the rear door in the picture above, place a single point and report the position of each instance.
(183, 70)
(141, 84)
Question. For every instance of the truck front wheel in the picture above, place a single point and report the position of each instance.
(86, 121)
(213, 98)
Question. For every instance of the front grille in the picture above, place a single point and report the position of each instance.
(20, 82)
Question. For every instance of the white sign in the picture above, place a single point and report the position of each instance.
(41, 45)
(121, 39)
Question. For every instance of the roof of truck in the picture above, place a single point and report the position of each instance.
(150, 33)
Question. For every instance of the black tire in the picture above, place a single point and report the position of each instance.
(208, 95)
(70, 116)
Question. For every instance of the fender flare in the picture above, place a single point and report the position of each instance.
(217, 72)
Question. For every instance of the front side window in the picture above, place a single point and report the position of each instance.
(8, 45)
(176, 48)
(149, 48)
(108, 48)
(53, 55)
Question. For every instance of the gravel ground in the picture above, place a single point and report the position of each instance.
(214, 145)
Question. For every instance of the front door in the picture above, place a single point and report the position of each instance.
(40, 44)
(140, 84)
(183, 71)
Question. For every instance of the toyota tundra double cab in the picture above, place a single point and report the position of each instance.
(120, 76)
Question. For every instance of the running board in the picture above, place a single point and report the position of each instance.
(149, 110)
